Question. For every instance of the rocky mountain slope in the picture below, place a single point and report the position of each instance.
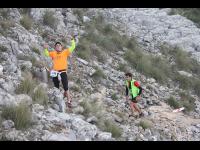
(32, 109)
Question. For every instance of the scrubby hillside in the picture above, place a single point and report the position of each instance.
(152, 44)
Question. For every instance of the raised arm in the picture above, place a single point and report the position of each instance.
(46, 52)
(73, 45)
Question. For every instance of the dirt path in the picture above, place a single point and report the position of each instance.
(165, 112)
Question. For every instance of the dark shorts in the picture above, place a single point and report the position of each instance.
(64, 81)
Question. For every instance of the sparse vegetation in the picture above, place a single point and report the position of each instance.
(183, 81)
(91, 108)
(25, 11)
(26, 22)
(75, 88)
(49, 19)
(20, 115)
(149, 65)
(145, 124)
(4, 12)
(98, 74)
(113, 128)
(122, 67)
(190, 13)
(3, 48)
(26, 86)
(83, 50)
(5, 26)
(187, 101)
(114, 96)
(36, 50)
(173, 102)
(197, 86)
(40, 96)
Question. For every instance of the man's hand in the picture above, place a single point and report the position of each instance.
(46, 46)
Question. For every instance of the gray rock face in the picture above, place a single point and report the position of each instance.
(153, 27)
(1, 70)
(23, 98)
(105, 136)
(84, 130)
(6, 99)
(57, 97)
(8, 124)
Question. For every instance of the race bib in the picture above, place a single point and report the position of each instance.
(53, 73)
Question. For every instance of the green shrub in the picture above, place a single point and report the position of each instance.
(190, 13)
(26, 86)
(173, 103)
(122, 67)
(26, 22)
(76, 88)
(49, 19)
(114, 96)
(83, 50)
(98, 74)
(113, 128)
(36, 50)
(6, 25)
(131, 43)
(3, 48)
(108, 29)
(91, 108)
(4, 12)
(25, 11)
(40, 96)
(20, 115)
(79, 12)
(145, 124)
(149, 65)
(197, 87)
(183, 81)
(187, 101)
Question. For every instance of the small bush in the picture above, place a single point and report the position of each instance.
(114, 96)
(83, 50)
(197, 87)
(76, 89)
(36, 50)
(122, 67)
(132, 44)
(26, 86)
(190, 13)
(187, 101)
(20, 115)
(3, 48)
(79, 12)
(91, 108)
(145, 124)
(149, 65)
(108, 29)
(113, 128)
(6, 26)
(4, 12)
(173, 103)
(40, 96)
(49, 19)
(25, 11)
(26, 22)
(98, 75)
(183, 81)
